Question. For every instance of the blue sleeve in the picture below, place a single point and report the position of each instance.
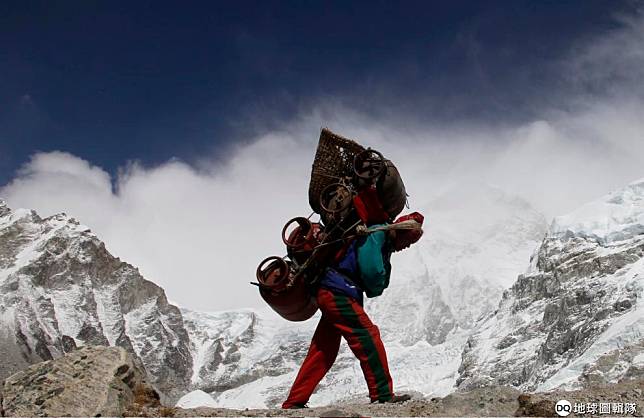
(374, 263)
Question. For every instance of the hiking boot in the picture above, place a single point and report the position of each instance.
(395, 399)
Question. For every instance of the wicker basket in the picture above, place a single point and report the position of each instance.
(333, 161)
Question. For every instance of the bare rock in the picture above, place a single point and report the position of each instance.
(90, 381)
(530, 407)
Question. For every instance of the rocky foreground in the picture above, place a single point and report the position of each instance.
(108, 381)
(490, 401)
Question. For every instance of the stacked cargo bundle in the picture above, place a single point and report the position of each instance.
(351, 189)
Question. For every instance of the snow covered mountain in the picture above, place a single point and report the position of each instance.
(455, 314)
(576, 316)
(60, 287)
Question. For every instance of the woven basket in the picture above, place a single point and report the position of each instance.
(333, 161)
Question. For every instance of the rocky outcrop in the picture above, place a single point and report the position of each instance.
(61, 288)
(91, 381)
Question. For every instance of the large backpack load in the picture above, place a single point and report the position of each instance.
(344, 172)
(351, 188)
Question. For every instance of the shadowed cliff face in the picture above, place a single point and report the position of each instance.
(61, 288)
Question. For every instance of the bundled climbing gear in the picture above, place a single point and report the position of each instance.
(351, 188)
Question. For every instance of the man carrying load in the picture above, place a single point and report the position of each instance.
(364, 267)
(332, 263)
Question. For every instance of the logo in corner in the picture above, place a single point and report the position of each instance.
(563, 408)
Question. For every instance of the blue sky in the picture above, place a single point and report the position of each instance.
(151, 80)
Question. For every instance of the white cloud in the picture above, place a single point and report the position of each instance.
(199, 235)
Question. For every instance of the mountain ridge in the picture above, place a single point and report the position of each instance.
(582, 289)
(60, 287)
(467, 277)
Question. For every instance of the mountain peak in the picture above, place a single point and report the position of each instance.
(617, 216)
(637, 183)
(60, 288)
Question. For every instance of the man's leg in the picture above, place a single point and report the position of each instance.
(364, 340)
(322, 353)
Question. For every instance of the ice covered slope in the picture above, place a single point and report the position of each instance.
(60, 287)
(576, 315)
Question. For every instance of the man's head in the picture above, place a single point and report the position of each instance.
(403, 238)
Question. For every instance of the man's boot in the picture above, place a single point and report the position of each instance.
(396, 399)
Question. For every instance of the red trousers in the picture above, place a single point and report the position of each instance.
(342, 316)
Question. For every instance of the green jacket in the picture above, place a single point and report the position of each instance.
(373, 256)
